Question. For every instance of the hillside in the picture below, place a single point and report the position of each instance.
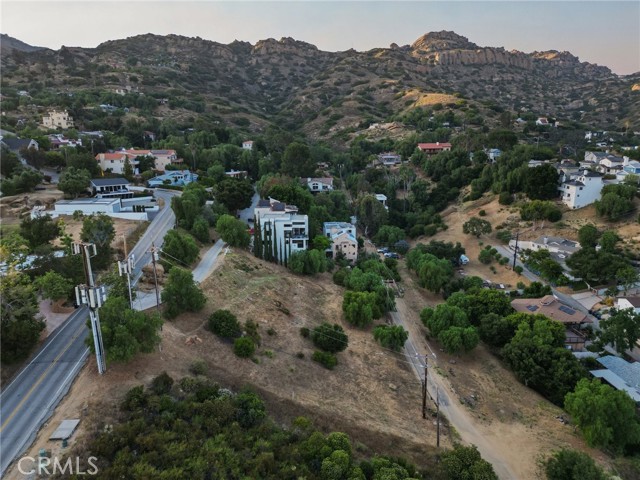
(293, 83)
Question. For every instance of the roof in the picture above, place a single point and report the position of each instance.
(551, 307)
(591, 173)
(341, 225)
(575, 183)
(89, 201)
(105, 182)
(381, 197)
(635, 301)
(325, 180)
(433, 146)
(65, 429)
(559, 241)
(16, 143)
(248, 141)
(110, 156)
(346, 233)
(162, 152)
(629, 372)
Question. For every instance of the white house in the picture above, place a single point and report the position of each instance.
(382, 199)
(56, 119)
(176, 178)
(237, 173)
(542, 121)
(110, 188)
(162, 158)
(611, 164)
(582, 191)
(247, 145)
(552, 244)
(624, 303)
(130, 209)
(282, 230)
(115, 162)
(324, 184)
(493, 154)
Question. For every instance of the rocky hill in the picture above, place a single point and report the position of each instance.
(294, 83)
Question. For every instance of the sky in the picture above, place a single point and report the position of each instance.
(606, 32)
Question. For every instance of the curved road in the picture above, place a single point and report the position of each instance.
(30, 399)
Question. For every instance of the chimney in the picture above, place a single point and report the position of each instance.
(437, 143)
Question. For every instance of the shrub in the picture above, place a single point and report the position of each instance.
(485, 257)
(244, 347)
(304, 331)
(224, 324)
(330, 338)
(505, 198)
(199, 367)
(271, 332)
(518, 269)
(162, 384)
(504, 236)
(482, 213)
(326, 359)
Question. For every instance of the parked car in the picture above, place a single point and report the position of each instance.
(383, 250)
(392, 255)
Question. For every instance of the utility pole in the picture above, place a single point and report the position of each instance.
(94, 296)
(424, 390)
(154, 254)
(515, 252)
(437, 417)
(126, 268)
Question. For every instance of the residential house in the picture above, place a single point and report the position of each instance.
(58, 140)
(583, 190)
(537, 163)
(247, 145)
(558, 245)
(115, 162)
(620, 374)
(553, 308)
(343, 240)
(631, 166)
(282, 231)
(237, 173)
(162, 157)
(56, 119)
(611, 164)
(389, 159)
(433, 148)
(110, 188)
(315, 185)
(175, 178)
(382, 199)
(129, 208)
(542, 121)
(623, 303)
(17, 145)
(494, 154)
(594, 158)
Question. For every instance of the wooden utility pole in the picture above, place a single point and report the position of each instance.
(437, 417)
(515, 251)
(424, 390)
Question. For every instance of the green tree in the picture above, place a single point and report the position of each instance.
(393, 337)
(621, 329)
(116, 283)
(443, 317)
(181, 293)
(297, 161)
(358, 307)
(244, 347)
(74, 181)
(98, 229)
(180, 246)
(588, 236)
(200, 229)
(20, 323)
(538, 210)
(609, 240)
(321, 243)
(389, 235)
(476, 226)
(613, 206)
(606, 417)
(459, 339)
(330, 338)
(541, 183)
(126, 332)
(225, 324)
(465, 463)
(371, 215)
(233, 193)
(250, 409)
(39, 230)
(233, 231)
(53, 285)
(567, 464)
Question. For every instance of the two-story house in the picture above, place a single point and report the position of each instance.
(315, 185)
(247, 145)
(162, 158)
(343, 240)
(583, 190)
(281, 230)
(115, 162)
(110, 188)
(389, 159)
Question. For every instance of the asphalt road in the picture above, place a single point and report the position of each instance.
(30, 399)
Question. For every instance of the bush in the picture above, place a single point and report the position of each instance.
(224, 324)
(199, 367)
(244, 347)
(330, 338)
(482, 213)
(485, 257)
(162, 384)
(326, 359)
(504, 236)
(304, 331)
(518, 269)
(505, 198)
(572, 464)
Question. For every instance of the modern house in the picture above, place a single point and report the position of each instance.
(620, 374)
(281, 230)
(115, 162)
(343, 240)
(494, 154)
(237, 173)
(389, 159)
(623, 303)
(382, 198)
(56, 119)
(110, 188)
(247, 145)
(433, 148)
(315, 185)
(129, 208)
(553, 308)
(582, 191)
(176, 178)
(631, 166)
(58, 140)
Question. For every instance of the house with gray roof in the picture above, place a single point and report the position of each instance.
(585, 189)
(620, 374)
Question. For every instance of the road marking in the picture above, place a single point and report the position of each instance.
(39, 381)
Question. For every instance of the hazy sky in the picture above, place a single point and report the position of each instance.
(605, 32)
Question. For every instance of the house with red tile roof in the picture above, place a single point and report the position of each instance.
(433, 148)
